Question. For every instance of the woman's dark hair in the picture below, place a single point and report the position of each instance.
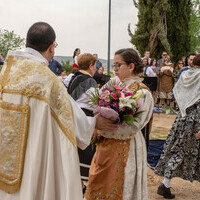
(40, 36)
(196, 60)
(130, 56)
(75, 52)
(151, 63)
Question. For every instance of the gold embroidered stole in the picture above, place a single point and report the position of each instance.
(25, 77)
(14, 122)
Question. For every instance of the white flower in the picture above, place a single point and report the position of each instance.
(126, 101)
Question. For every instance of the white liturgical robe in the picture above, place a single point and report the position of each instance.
(41, 127)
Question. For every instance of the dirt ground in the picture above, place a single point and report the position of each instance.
(184, 190)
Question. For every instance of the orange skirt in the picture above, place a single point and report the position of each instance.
(106, 176)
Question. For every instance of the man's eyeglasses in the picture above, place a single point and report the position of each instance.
(55, 44)
(164, 54)
(118, 65)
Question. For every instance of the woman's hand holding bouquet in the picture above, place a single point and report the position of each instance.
(117, 103)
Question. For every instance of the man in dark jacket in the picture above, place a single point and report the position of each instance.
(55, 67)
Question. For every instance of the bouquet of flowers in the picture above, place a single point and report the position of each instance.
(117, 103)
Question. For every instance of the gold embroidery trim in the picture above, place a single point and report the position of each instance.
(14, 187)
(22, 92)
(71, 138)
(7, 71)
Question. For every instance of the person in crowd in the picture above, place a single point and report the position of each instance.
(177, 69)
(146, 80)
(147, 56)
(100, 70)
(101, 78)
(183, 59)
(98, 63)
(152, 73)
(175, 75)
(1, 60)
(41, 125)
(166, 81)
(164, 55)
(189, 59)
(63, 75)
(77, 51)
(118, 169)
(69, 77)
(146, 66)
(81, 86)
(153, 65)
(151, 70)
(55, 66)
(181, 153)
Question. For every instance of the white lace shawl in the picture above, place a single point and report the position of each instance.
(187, 89)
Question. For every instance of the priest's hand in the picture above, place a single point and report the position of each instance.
(105, 124)
(198, 135)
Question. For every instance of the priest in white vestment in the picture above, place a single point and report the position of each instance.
(40, 126)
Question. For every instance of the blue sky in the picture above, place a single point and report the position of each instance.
(77, 23)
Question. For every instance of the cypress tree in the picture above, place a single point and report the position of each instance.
(194, 26)
(163, 25)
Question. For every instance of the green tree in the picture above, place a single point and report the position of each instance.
(67, 66)
(163, 25)
(194, 26)
(9, 41)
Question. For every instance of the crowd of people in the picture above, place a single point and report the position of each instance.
(47, 124)
(161, 76)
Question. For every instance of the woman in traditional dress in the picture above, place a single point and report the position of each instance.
(118, 169)
(181, 154)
